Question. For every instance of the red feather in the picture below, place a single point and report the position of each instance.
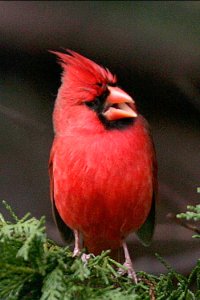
(103, 180)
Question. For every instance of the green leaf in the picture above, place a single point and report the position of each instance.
(32, 267)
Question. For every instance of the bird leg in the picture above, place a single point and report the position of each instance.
(77, 246)
(128, 264)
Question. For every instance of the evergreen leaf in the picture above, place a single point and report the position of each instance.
(32, 267)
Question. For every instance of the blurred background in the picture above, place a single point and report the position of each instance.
(154, 48)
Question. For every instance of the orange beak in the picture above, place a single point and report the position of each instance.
(119, 105)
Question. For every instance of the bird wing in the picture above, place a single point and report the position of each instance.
(65, 231)
(145, 233)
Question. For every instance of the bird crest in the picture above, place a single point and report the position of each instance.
(82, 69)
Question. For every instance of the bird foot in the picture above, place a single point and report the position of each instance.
(128, 264)
(85, 257)
(129, 271)
(76, 252)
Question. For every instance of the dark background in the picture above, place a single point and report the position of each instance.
(154, 48)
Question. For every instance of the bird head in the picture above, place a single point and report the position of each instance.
(89, 97)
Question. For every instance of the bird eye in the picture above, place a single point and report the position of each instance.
(100, 84)
(95, 104)
(90, 104)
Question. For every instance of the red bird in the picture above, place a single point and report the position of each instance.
(102, 167)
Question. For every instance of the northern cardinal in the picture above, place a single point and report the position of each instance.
(103, 173)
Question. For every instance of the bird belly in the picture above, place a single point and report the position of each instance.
(105, 209)
(104, 189)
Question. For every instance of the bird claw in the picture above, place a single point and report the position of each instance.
(128, 264)
(76, 252)
(85, 258)
(129, 271)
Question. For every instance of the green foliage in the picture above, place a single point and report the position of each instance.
(192, 214)
(35, 268)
